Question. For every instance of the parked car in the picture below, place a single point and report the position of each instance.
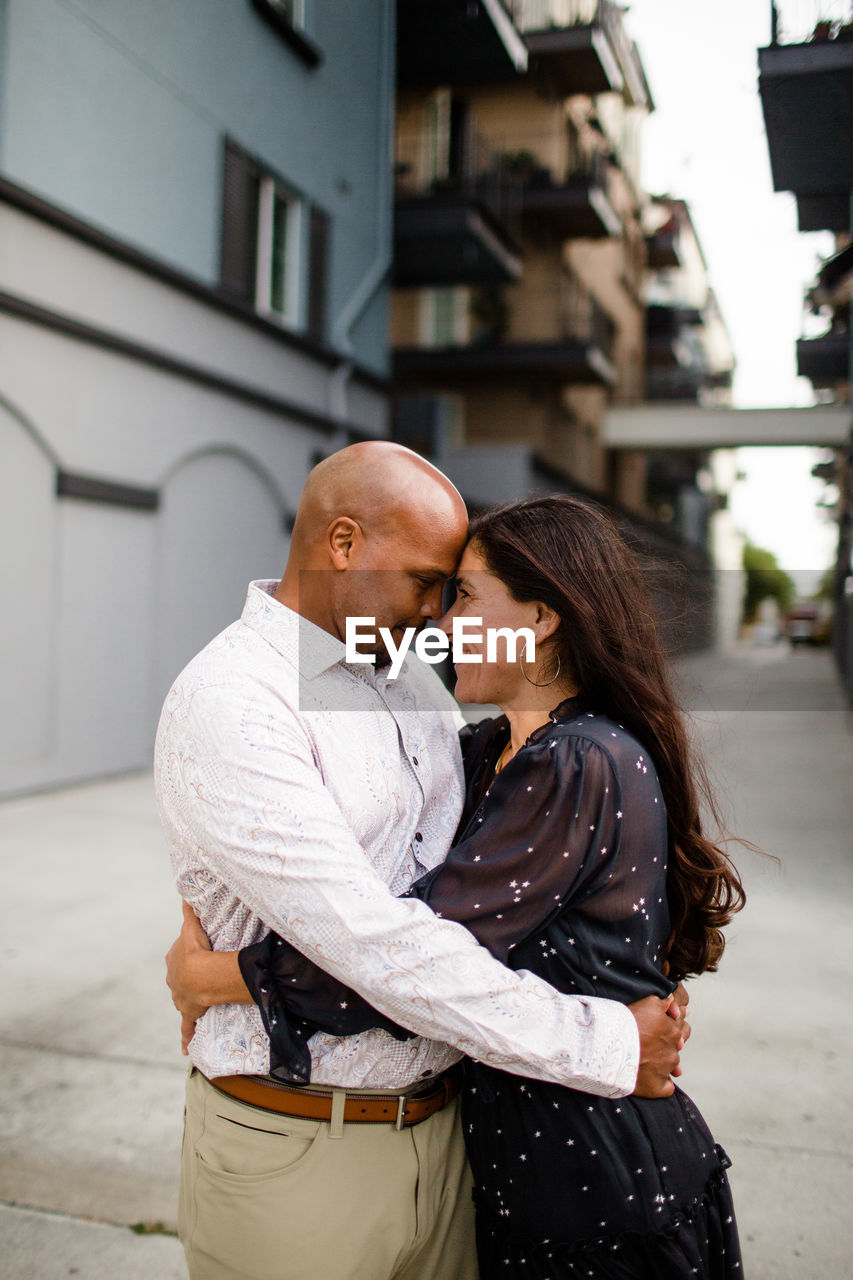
(807, 624)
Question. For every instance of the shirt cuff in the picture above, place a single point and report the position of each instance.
(617, 1039)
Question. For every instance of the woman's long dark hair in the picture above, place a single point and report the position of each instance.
(568, 553)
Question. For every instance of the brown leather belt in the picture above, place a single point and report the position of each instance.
(401, 1110)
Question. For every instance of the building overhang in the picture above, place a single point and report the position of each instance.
(825, 361)
(807, 96)
(579, 210)
(569, 361)
(444, 42)
(829, 212)
(446, 240)
(691, 426)
(579, 59)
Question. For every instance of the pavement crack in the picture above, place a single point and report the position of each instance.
(89, 1055)
(136, 1228)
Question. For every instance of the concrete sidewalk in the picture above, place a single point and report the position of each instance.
(94, 1080)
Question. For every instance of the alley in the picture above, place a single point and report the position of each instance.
(91, 1114)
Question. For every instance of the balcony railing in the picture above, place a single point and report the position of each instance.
(810, 21)
(469, 168)
(557, 313)
(591, 169)
(536, 15)
(558, 333)
(544, 15)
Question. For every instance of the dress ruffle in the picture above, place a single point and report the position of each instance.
(699, 1240)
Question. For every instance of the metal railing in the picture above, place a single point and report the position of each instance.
(537, 15)
(563, 310)
(808, 21)
(544, 15)
(468, 167)
(513, 161)
(587, 168)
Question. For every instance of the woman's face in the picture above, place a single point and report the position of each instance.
(480, 594)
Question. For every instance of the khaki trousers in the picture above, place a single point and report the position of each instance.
(267, 1197)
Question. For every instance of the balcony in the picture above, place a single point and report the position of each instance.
(443, 42)
(583, 46)
(452, 211)
(683, 383)
(824, 213)
(567, 338)
(806, 87)
(825, 361)
(662, 248)
(577, 208)
(670, 341)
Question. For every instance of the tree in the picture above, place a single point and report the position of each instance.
(764, 581)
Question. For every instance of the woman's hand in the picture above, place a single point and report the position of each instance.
(663, 1031)
(184, 975)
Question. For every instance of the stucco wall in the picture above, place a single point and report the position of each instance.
(116, 112)
(105, 604)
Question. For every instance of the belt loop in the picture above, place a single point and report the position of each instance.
(336, 1120)
(401, 1112)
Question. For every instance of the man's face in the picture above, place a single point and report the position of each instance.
(399, 582)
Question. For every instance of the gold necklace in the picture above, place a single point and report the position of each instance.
(500, 761)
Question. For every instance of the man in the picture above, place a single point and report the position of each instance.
(301, 794)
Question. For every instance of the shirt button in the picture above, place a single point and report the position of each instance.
(414, 759)
(418, 836)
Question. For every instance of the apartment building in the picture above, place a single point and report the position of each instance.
(195, 235)
(689, 360)
(518, 310)
(806, 86)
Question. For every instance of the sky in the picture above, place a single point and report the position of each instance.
(706, 143)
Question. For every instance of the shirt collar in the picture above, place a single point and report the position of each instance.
(308, 647)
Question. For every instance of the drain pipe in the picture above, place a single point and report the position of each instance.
(378, 271)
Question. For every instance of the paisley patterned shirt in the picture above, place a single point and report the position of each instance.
(300, 794)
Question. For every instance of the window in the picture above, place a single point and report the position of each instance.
(293, 11)
(275, 245)
(287, 19)
(445, 317)
(278, 255)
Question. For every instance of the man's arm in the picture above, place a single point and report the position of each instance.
(264, 823)
(199, 978)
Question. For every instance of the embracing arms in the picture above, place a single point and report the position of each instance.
(316, 888)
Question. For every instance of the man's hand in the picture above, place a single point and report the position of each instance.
(190, 943)
(663, 1031)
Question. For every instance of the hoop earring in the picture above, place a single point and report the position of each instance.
(544, 683)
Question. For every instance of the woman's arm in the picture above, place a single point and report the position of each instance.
(549, 827)
(545, 818)
(294, 996)
(198, 977)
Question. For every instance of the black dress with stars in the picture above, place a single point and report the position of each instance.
(559, 867)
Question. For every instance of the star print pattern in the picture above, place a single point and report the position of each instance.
(621, 1190)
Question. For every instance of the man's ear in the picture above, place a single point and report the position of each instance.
(343, 535)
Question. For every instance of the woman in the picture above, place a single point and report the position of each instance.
(580, 856)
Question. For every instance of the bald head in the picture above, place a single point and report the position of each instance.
(378, 532)
(384, 487)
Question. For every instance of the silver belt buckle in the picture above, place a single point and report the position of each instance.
(401, 1112)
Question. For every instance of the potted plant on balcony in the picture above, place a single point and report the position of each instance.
(490, 314)
(524, 167)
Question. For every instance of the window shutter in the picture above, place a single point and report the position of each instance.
(318, 269)
(239, 224)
